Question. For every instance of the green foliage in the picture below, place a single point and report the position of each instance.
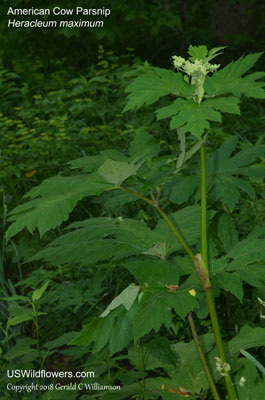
(253, 360)
(230, 80)
(57, 203)
(225, 170)
(194, 117)
(116, 172)
(125, 298)
(153, 85)
(102, 261)
(184, 112)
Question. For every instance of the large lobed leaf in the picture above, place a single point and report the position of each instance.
(148, 88)
(184, 112)
(243, 263)
(98, 239)
(229, 79)
(92, 243)
(227, 175)
(52, 202)
(193, 117)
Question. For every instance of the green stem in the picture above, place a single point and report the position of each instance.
(36, 323)
(165, 217)
(203, 359)
(141, 359)
(203, 208)
(202, 269)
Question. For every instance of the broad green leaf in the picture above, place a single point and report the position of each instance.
(182, 188)
(143, 145)
(246, 251)
(246, 339)
(193, 117)
(197, 52)
(161, 349)
(53, 200)
(155, 273)
(124, 324)
(92, 163)
(225, 190)
(253, 274)
(117, 172)
(246, 258)
(60, 341)
(148, 88)
(253, 389)
(158, 249)
(187, 221)
(38, 293)
(190, 374)
(15, 309)
(97, 331)
(229, 79)
(156, 309)
(59, 185)
(225, 174)
(16, 298)
(231, 282)
(87, 164)
(125, 298)
(152, 314)
(22, 347)
(226, 104)
(227, 232)
(91, 243)
(21, 318)
(88, 252)
(243, 158)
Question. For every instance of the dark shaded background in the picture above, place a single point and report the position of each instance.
(155, 29)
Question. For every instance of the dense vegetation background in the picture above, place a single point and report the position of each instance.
(61, 97)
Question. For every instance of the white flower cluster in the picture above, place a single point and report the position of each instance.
(201, 67)
(222, 366)
(197, 71)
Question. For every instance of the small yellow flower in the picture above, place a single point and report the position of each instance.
(29, 174)
(192, 292)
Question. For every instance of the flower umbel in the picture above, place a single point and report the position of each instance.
(197, 71)
(222, 367)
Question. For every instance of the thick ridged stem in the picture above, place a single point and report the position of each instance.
(201, 265)
(201, 269)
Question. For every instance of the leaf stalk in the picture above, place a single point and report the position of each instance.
(202, 358)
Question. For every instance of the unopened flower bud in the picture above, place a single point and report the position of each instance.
(242, 381)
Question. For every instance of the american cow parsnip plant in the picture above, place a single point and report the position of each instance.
(170, 263)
